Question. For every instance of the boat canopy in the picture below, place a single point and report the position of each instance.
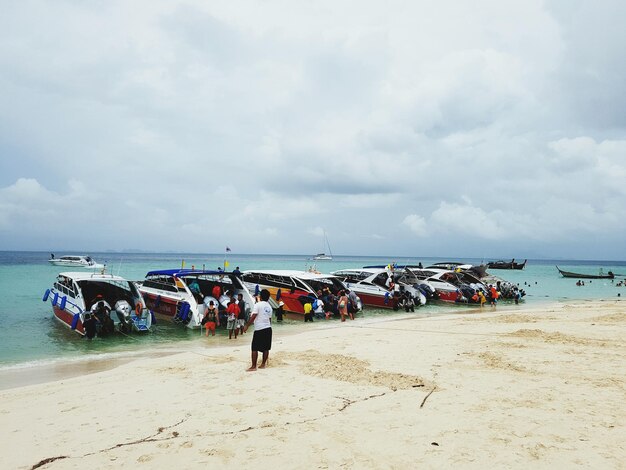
(187, 272)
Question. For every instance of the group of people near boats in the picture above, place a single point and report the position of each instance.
(212, 299)
(214, 313)
(343, 303)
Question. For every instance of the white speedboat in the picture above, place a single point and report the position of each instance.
(114, 301)
(75, 261)
(294, 288)
(450, 286)
(181, 295)
(377, 287)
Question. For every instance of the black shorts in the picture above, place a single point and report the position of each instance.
(262, 340)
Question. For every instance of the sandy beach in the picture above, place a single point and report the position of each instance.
(531, 387)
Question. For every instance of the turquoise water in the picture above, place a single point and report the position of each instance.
(29, 334)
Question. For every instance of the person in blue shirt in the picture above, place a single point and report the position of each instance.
(194, 287)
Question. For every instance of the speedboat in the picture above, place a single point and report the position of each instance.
(181, 295)
(450, 286)
(380, 287)
(477, 270)
(294, 288)
(113, 300)
(75, 261)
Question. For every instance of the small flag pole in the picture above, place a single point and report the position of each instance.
(226, 262)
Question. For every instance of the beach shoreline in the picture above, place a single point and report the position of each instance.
(539, 386)
(64, 367)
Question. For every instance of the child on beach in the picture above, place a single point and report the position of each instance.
(308, 308)
(482, 298)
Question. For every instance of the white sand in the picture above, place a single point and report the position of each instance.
(533, 388)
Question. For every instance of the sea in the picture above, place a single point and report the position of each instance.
(30, 335)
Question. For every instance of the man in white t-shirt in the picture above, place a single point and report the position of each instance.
(261, 316)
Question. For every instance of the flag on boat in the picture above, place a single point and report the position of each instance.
(226, 264)
(228, 249)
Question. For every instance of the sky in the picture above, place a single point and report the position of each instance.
(483, 129)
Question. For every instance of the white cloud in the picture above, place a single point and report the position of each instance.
(416, 224)
(260, 122)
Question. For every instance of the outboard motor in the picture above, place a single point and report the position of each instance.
(426, 289)
(123, 310)
(467, 292)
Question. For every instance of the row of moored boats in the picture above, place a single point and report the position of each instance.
(182, 295)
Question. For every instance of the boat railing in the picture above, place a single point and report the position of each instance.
(67, 301)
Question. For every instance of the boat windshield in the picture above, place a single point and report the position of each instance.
(162, 282)
(109, 290)
(352, 276)
(318, 284)
(207, 282)
(269, 279)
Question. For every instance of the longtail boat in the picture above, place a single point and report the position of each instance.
(608, 275)
(506, 264)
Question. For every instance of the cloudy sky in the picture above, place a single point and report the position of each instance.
(411, 128)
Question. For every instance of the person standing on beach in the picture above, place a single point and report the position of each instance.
(493, 295)
(342, 304)
(233, 314)
(482, 298)
(353, 304)
(262, 339)
(89, 326)
(308, 308)
(280, 311)
(241, 320)
(318, 308)
(211, 319)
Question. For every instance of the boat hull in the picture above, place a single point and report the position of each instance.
(449, 296)
(66, 318)
(293, 301)
(374, 300)
(568, 274)
(161, 307)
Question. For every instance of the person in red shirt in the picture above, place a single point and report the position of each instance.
(232, 311)
(493, 295)
(217, 292)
